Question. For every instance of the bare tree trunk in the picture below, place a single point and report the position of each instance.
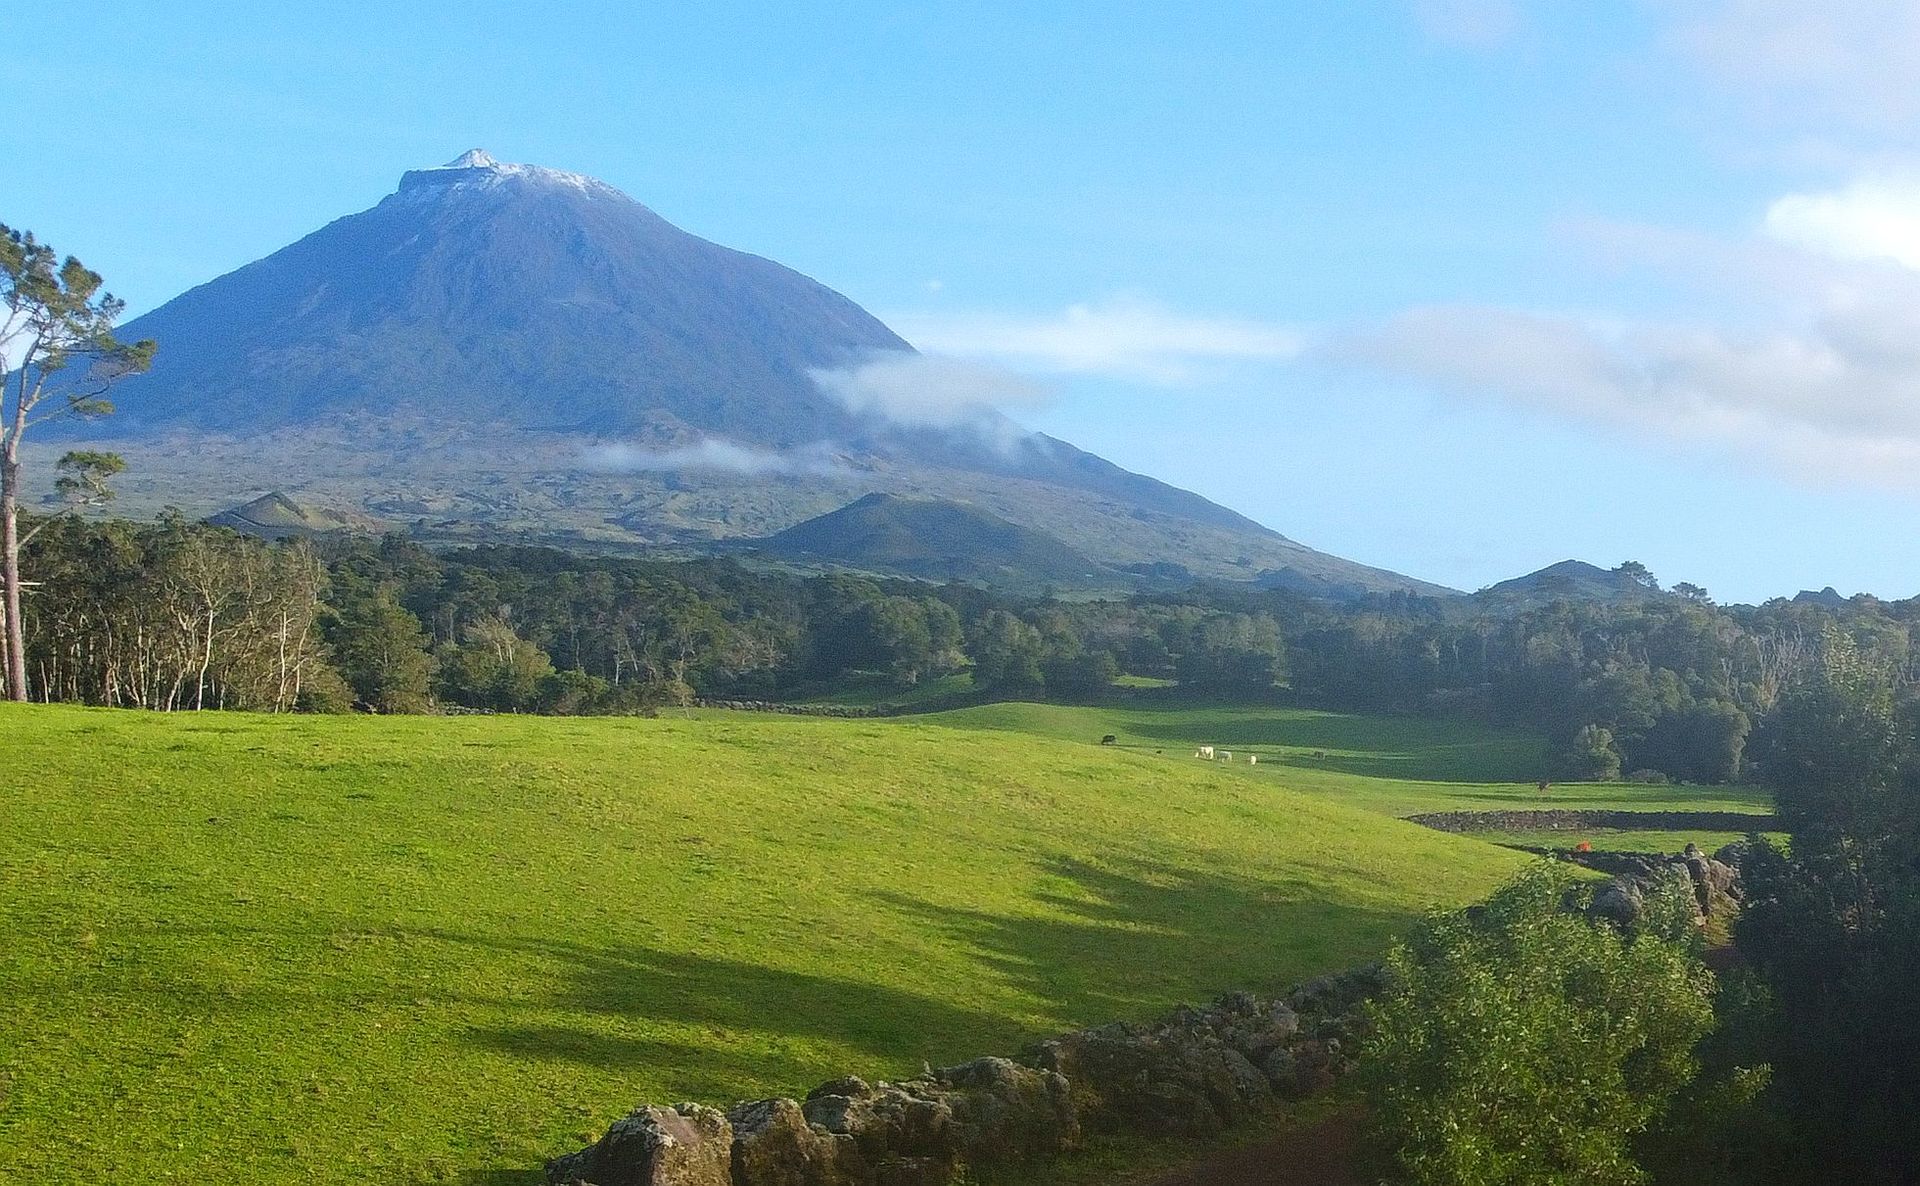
(16, 681)
(206, 661)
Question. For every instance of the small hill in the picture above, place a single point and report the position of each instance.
(1569, 580)
(275, 516)
(934, 539)
(1828, 597)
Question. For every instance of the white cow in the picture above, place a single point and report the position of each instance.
(1205, 751)
(1253, 759)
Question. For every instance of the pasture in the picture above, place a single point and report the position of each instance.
(266, 949)
(1393, 765)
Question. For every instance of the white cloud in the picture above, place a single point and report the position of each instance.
(1875, 218)
(1835, 400)
(930, 390)
(1122, 339)
(1469, 24)
(1856, 59)
(711, 454)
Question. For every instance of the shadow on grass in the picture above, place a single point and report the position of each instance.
(1130, 940)
(733, 1000)
(1124, 941)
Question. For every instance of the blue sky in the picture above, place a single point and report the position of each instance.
(1456, 287)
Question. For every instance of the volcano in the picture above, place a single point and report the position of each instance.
(502, 351)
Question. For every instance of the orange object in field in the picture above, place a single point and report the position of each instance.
(1583, 846)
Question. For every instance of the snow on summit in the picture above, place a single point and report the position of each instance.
(477, 167)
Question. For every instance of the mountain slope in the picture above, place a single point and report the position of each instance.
(512, 294)
(509, 351)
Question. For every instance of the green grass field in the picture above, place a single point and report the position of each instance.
(1395, 765)
(262, 950)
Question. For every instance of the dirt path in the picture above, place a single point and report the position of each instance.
(1323, 1153)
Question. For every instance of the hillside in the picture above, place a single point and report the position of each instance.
(935, 540)
(506, 350)
(270, 949)
(275, 516)
(1569, 580)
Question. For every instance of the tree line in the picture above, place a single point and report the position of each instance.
(181, 615)
(176, 614)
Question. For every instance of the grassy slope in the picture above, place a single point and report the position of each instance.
(1397, 765)
(383, 950)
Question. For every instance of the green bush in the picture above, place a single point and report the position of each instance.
(1591, 756)
(1518, 1043)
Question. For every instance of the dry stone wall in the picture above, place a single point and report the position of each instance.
(1193, 1073)
(1575, 820)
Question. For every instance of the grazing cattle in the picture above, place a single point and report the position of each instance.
(1226, 755)
(1109, 739)
(1543, 786)
(1253, 759)
(1205, 751)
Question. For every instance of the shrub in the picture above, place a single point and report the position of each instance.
(1518, 1043)
(1653, 778)
(1591, 756)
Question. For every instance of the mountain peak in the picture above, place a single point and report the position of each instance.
(477, 168)
(473, 158)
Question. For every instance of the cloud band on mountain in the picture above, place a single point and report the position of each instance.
(1126, 339)
(930, 391)
(712, 455)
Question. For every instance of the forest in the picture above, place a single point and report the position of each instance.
(175, 615)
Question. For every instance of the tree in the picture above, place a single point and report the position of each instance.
(1006, 653)
(52, 317)
(493, 667)
(1590, 756)
(381, 651)
(1833, 924)
(1702, 742)
(1521, 1044)
(1638, 573)
(1233, 655)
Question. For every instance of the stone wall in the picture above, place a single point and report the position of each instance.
(1193, 1073)
(852, 711)
(1714, 880)
(1567, 820)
